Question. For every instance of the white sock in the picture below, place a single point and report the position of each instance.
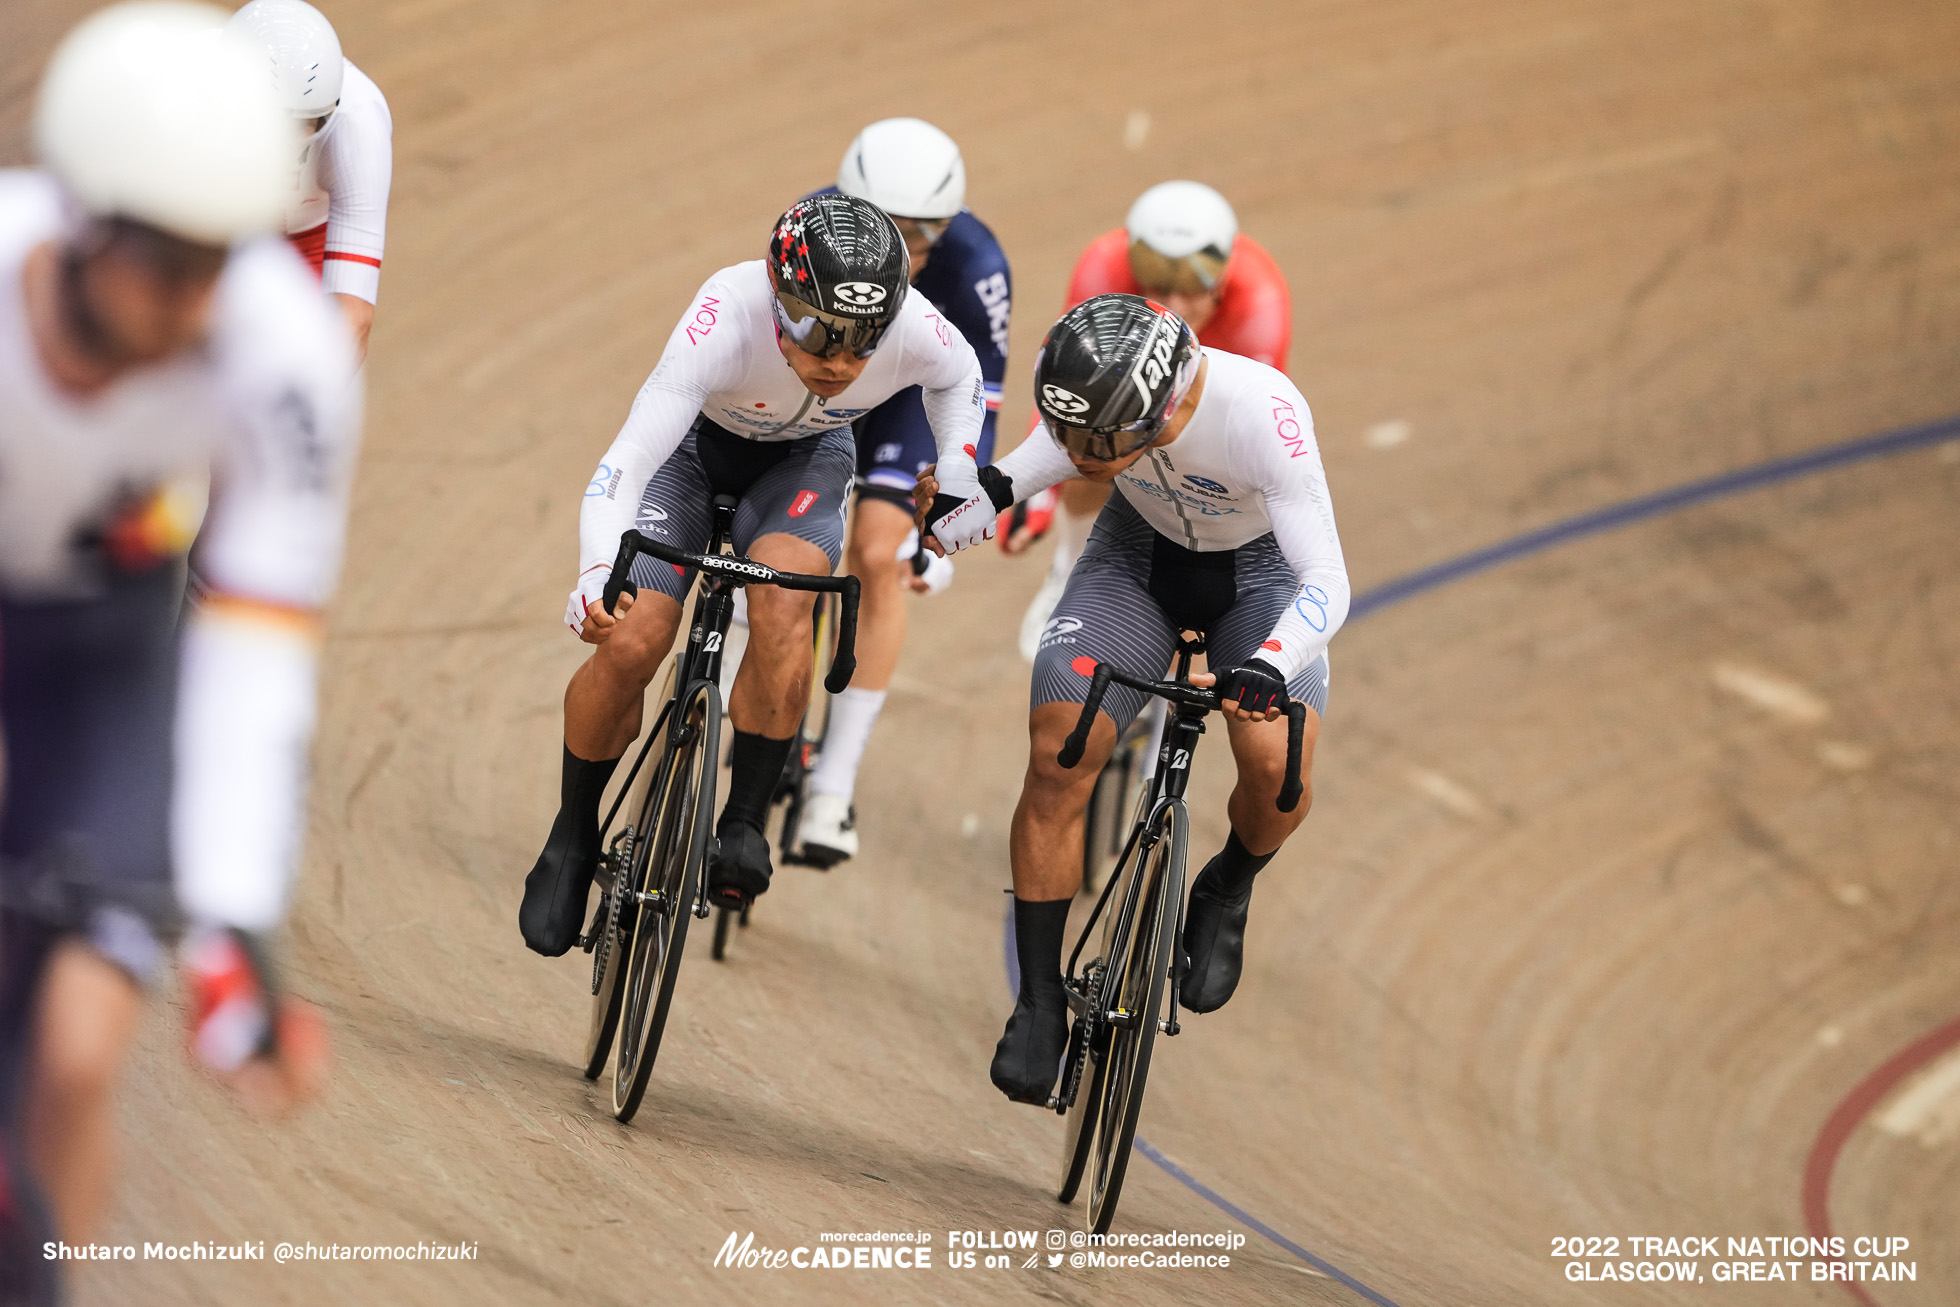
(852, 715)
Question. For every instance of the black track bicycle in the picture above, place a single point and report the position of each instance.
(652, 871)
(1128, 992)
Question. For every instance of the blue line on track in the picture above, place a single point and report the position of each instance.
(1252, 1222)
(1639, 510)
(1440, 574)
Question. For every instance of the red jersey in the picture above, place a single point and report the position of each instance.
(1255, 312)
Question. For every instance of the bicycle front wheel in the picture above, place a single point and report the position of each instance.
(612, 922)
(680, 821)
(1138, 976)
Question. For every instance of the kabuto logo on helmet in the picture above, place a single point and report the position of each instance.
(852, 295)
(1065, 402)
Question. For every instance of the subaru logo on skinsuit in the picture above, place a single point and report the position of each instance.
(1205, 484)
(857, 294)
(1064, 401)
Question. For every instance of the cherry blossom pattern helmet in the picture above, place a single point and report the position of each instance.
(153, 112)
(1181, 236)
(840, 272)
(1110, 374)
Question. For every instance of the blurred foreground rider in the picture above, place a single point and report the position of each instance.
(150, 353)
(1221, 524)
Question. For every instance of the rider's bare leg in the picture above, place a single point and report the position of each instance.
(87, 1017)
(773, 687)
(768, 700)
(1221, 894)
(604, 702)
(1045, 841)
(1045, 846)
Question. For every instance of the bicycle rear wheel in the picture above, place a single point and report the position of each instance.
(1138, 982)
(670, 873)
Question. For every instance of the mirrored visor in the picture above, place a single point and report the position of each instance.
(824, 334)
(1194, 274)
(1104, 444)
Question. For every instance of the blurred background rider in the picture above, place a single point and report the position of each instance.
(1181, 246)
(913, 171)
(150, 350)
(338, 217)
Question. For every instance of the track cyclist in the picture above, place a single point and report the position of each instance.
(1222, 524)
(150, 349)
(754, 396)
(913, 171)
(338, 218)
(1182, 247)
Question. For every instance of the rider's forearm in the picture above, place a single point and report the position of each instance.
(1036, 464)
(245, 710)
(956, 414)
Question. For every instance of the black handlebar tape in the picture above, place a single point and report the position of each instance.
(1296, 729)
(920, 560)
(620, 582)
(1078, 739)
(844, 662)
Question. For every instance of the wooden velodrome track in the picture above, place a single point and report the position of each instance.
(1628, 861)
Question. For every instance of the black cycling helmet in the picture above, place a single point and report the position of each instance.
(1111, 373)
(841, 273)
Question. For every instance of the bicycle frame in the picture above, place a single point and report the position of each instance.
(1168, 783)
(719, 574)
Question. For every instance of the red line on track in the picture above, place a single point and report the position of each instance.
(1849, 1115)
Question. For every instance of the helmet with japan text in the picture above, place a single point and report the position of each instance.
(307, 66)
(153, 112)
(1181, 236)
(1111, 372)
(840, 272)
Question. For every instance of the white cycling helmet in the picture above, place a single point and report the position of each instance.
(307, 66)
(905, 166)
(152, 111)
(1181, 236)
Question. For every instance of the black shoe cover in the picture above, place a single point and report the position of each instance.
(1214, 947)
(740, 868)
(555, 891)
(1030, 1051)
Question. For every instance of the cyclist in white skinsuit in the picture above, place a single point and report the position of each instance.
(753, 397)
(143, 357)
(338, 219)
(1223, 524)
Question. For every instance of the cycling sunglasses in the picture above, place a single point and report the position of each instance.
(931, 229)
(1105, 444)
(1198, 273)
(825, 334)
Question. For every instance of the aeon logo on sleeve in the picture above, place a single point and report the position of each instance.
(857, 294)
(1065, 402)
